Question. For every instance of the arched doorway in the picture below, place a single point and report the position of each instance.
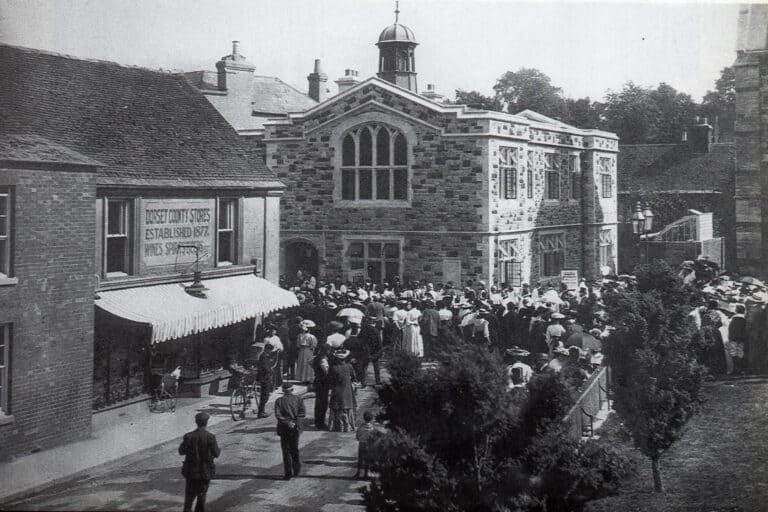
(300, 255)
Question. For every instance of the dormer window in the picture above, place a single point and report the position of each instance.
(374, 165)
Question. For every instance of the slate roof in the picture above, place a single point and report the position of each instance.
(269, 97)
(36, 149)
(675, 167)
(147, 128)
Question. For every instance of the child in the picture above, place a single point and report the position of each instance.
(364, 434)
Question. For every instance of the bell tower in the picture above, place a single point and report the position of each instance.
(397, 62)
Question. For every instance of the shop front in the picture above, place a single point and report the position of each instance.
(144, 332)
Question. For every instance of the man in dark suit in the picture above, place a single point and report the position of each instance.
(199, 448)
(289, 409)
(266, 377)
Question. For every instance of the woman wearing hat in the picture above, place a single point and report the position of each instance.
(340, 378)
(307, 343)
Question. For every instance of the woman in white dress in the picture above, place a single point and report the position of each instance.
(306, 343)
(412, 332)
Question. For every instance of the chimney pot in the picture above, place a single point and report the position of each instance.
(235, 48)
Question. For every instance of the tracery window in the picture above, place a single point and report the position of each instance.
(552, 253)
(374, 164)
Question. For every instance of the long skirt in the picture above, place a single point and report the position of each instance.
(304, 371)
(412, 340)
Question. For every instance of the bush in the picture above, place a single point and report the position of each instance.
(570, 473)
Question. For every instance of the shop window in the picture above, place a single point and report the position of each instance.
(508, 173)
(510, 262)
(552, 253)
(374, 165)
(606, 248)
(118, 237)
(377, 260)
(5, 233)
(5, 360)
(552, 174)
(226, 232)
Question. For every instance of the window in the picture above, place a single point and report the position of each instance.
(508, 173)
(374, 165)
(226, 232)
(118, 238)
(5, 233)
(552, 251)
(606, 181)
(509, 262)
(606, 248)
(575, 173)
(529, 175)
(378, 260)
(552, 183)
(5, 359)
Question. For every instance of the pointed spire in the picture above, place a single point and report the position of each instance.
(397, 10)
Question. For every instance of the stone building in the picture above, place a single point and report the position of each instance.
(383, 183)
(694, 174)
(132, 221)
(750, 136)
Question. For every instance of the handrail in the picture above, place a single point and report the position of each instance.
(590, 399)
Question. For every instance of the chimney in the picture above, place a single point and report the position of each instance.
(432, 94)
(317, 83)
(234, 72)
(348, 81)
(700, 136)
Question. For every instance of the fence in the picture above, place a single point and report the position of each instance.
(580, 419)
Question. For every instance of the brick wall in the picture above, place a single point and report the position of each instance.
(51, 309)
(750, 134)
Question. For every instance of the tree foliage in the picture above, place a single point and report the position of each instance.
(477, 100)
(652, 354)
(719, 106)
(529, 88)
(458, 440)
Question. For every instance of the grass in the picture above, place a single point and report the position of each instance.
(720, 464)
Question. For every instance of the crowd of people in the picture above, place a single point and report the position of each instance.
(532, 328)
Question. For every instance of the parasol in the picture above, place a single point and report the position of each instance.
(353, 314)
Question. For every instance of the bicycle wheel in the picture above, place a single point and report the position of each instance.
(237, 404)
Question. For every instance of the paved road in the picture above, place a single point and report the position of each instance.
(249, 474)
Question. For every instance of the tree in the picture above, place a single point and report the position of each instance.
(582, 113)
(657, 378)
(529, 88)
(476, 100)
(720, 105)
(632, 114)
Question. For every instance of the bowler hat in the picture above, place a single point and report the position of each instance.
(287, 386)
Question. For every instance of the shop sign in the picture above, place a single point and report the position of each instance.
(169, 228)
(570, 278)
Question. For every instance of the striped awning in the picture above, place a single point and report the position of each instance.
(173, 313)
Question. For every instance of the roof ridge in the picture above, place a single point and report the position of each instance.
(50, 53)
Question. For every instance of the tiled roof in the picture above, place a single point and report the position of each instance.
(674, 167)
(269, 97)
(33, 148)
(144, 126)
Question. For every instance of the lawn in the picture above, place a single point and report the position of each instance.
(720, 463)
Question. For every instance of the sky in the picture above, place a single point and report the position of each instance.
(586, 48)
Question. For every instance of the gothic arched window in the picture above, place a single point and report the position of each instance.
(374, 164)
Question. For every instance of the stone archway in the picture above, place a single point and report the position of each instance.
(301, 255)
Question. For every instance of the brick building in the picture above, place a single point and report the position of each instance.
(118, 187)
(384, 183)
(750, 136)
(672, 179)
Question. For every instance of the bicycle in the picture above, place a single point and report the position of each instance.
(244, 400)
(164, 393)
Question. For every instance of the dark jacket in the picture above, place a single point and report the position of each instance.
(288, 411)
(266, 367)
(371, 339)
(430, 322)
(340, 378)
(199, 448)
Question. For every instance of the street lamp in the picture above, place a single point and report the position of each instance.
(642, 223)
